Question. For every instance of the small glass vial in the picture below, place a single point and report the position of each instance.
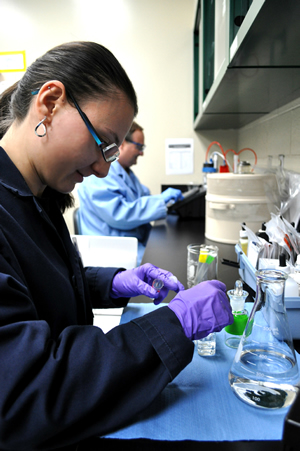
(244, 167)
(207, 346)
(234, 332)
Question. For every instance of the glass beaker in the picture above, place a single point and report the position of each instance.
(192, 263)
(265, 372)
(207, 346)
(207, 267)
(202, 263)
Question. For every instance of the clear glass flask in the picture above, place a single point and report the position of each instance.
(265, 372)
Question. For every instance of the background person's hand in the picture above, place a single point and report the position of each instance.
(171, 194)
(138, 281)
(202, 309)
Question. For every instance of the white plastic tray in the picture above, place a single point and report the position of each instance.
(247, 273)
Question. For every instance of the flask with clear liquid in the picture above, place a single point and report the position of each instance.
(265, 372)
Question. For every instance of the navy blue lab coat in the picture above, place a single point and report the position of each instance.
(61, 378)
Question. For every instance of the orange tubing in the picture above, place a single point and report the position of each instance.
(230, 150)
(211, 144)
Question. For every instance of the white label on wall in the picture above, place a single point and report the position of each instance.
(179, 156)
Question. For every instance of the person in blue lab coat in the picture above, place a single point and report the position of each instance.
(62, 379)
(119, 204)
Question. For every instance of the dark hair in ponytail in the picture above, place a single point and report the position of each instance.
(87, 69)
(6, 115)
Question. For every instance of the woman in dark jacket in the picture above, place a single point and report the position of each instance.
(62, 379)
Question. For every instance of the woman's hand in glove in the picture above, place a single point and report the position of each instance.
(202, 309)
(137, 281)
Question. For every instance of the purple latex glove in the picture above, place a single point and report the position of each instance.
(202, 309)
(171, 194)
(137, 281)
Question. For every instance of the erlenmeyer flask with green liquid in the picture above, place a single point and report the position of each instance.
(265, 372)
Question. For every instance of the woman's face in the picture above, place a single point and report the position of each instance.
(71, 152)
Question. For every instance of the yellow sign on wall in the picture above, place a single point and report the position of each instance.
(12, 61)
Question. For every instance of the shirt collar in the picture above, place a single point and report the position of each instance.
(11, 177)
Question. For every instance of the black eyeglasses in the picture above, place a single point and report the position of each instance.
(139, 146)
(110, 152)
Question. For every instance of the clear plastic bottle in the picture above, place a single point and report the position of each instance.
(243, 239)
(265, 372)
(262, 232)
(297, 265)
(207, 346)
(291, 289)
(234, 332)
(208, 168)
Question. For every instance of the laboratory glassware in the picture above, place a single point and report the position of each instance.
(205, 267)
(192, 263)
(234, 331)
(158, 284)
(265, 372)
(244, 167)
(207, 346)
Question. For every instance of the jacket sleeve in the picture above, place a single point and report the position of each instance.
(110, 201)
(99, 283)
(55, 392)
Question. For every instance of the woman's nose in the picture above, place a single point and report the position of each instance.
(100, 166)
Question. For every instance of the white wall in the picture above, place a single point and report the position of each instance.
(153, 40)
(274, 134)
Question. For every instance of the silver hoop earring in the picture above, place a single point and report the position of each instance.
(41, 123)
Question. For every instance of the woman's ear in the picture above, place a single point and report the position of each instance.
(50, 97)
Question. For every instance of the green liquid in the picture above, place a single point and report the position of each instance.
(238, 325)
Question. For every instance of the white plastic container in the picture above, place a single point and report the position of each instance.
(291, 289)
(232, 199)
(292, 304)
(115, 251)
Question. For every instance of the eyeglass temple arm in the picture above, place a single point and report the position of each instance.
(86, 121)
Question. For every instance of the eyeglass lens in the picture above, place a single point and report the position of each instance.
(110, 152)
